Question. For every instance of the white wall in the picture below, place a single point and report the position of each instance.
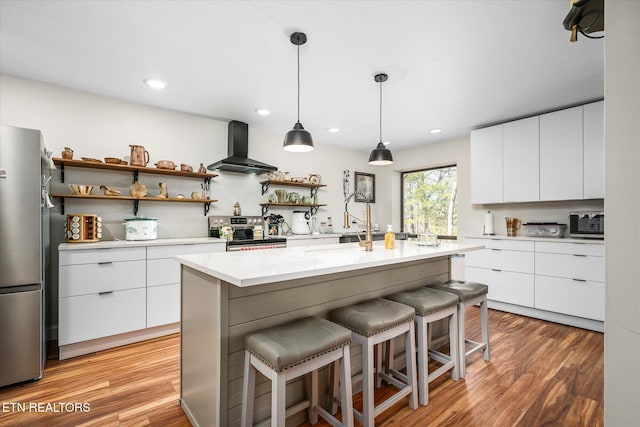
(97, 127)
(622, 153)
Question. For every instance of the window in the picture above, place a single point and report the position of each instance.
(429, 199)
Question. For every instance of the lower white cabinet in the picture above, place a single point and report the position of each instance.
(86, 317)
(104, 292)
(565, 278)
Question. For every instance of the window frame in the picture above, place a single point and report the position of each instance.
(402, 174)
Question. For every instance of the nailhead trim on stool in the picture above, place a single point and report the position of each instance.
(374, 322)
(289, 351)
(469, 293)
(431, 305)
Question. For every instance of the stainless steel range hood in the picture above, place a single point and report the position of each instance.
(238, 148)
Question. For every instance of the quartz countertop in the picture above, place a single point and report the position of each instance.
(539, 239)
(253, 268)
(137, 243)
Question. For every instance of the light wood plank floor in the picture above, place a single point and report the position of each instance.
(540, 373)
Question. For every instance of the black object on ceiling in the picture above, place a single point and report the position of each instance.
(237, 150)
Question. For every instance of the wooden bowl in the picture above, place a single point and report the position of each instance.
(89, 159)
(114, 161)
(81, 189)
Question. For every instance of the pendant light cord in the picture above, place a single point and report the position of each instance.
(380, 111)
(298, 83)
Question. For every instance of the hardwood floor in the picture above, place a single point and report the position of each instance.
(540, 373)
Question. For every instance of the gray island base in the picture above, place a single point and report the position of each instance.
(226, 296)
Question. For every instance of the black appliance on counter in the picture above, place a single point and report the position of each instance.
(586, 224)
(243, 238)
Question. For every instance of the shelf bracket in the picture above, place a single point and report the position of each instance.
(206, 208)
(265, 208)
(62, 204)
(313, 210)
(207, 180)
(135, 207)
(135, 177)
(314, 192)
(265, 188)
(62, 173)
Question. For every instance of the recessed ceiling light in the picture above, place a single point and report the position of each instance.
(333, 130)
(155, 83)
(263, 111)
(436, 130)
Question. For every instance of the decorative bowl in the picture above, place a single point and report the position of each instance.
(81, 189)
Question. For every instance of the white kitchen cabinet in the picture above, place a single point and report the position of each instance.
(486, 165)
(163, 280)
(561, 155)
(582, 298)
(84, 279)
(506, 266)
(521, 160)
(593, 129)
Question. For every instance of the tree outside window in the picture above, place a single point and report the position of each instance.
(429, 199)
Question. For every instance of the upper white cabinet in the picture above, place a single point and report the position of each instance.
(561, 163)
(486, 165)
(554, 156)
(521, 160)
(593, 125)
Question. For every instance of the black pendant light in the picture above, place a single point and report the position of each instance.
(298, 139)
(380, 155)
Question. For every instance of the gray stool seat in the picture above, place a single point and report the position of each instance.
(373, 316)
(464, 290)
(293, 343)
(425, 301)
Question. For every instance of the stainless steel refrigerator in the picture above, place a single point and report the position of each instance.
(24, 248)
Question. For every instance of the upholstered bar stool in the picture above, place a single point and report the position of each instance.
(431, 305)
(469, 293)
(371, 323)
(289, 351)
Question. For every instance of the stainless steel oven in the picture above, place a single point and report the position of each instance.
(243, 236)
(588, 224)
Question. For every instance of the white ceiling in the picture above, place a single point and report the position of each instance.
(455, 65)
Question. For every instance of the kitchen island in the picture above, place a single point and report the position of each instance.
(226, 296)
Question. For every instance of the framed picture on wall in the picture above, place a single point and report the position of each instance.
(365, 184)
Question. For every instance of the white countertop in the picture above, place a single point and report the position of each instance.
(136, 243)
(541, 239)
(251, 268)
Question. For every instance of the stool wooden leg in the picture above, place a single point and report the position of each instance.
(249, 384)
(345, 388)
(368, 413)
(484, 322)
(278, 404)
(410, 350)
(313, 409)
(378, 356)
(423, 361)
(461, 342)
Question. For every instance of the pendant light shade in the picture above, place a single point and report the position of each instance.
(380, 155)
(298, 139)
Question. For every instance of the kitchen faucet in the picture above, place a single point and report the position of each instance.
(367, 244)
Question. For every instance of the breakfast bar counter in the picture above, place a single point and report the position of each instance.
(227, 295)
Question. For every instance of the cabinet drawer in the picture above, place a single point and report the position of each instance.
(571, 248)
(570, 266)
(84, 279)
(91, 256)
(504, 286)
(162, 271)
(155, 252)
(163, 305)
(499, 259)
(87, 317)
(582, 299)
(513, 245)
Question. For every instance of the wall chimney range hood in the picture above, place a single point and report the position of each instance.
(238, 149)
